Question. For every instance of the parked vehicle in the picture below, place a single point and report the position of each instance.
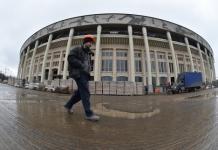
(17, 85)
(33, 86)
(210, 86)
(187, 81)
(5, 81)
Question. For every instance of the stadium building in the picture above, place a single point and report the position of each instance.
(128, 48)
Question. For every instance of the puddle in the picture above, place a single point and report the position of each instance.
(104, 109)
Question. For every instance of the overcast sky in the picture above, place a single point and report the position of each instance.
(21, 18)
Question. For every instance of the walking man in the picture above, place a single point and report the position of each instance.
(79, 65)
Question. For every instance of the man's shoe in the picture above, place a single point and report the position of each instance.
(93, 118)
(69, 111)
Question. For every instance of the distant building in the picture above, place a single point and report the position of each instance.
(128, 48)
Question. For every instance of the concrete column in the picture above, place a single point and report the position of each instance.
(185, 62)
(129, 66)
(37, 69)
(173, 55)
(189, 53)
(148, 60)
(30, 78)
(45, 57)
(202, 63)
(97, 55)
(69, 42)
(20, 68)
(214, 72)
(212, 67)
(143, 67)
(168, 68)
(25, 61)
(60, 63)
(157, 69)
(50, 68)
(177, 64)
(208, 76)
(114, 65)
(131, 55)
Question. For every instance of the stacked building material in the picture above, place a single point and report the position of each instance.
(129, 88)
(113, 88)
(120, 88)
(92, 87)
(139, 88)
(98, 89)
(106, 87)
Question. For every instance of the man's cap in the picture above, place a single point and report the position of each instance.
(88, 38)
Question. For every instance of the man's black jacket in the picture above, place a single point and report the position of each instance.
(76, 64)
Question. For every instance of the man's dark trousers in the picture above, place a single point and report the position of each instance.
(81, 94)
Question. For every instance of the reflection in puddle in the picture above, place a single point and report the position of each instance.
(103, 109)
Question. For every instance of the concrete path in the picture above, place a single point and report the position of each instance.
(33, 120)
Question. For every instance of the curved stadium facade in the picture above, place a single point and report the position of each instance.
(128, 48)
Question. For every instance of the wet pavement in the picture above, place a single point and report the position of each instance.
(33, 120)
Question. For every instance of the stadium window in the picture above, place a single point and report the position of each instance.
(121, 53)
(138, 79)
(43, 40)
(153, 66)
(138, 66)
(122, 78)
(114, 29)
(171, 67)
(177, 37)
(61, 34)
(106, 78)
(181, 67)
(161, 55)
(107, 53)
(83, 30)
(156, 33)
(162, 67)
(137, 30)
(106, 65)
(122, 66)
(192, 42)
